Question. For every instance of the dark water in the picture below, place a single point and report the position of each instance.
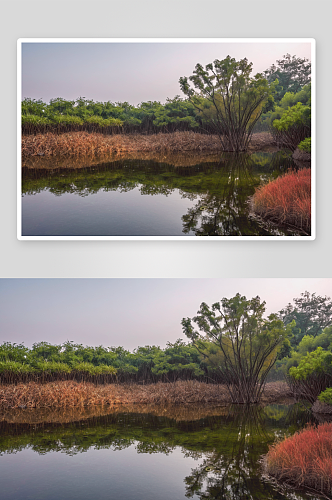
(151, 456)
(208, 197)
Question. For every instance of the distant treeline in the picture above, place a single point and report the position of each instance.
(45, 362)
(288, 119)
(81, 114)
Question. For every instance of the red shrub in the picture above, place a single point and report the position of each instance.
(287, 199)
(304, 459)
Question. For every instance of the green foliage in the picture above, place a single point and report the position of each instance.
(281, 110)
(35, 120)
(33, 107)
(295, 115)
(13, 352)
(291, 74)
(228, 99)
(315, 362)
(307, 344)
(326, 396)
(311, 313)
(82, 114)
(176, 112)
(305, 145)
(45, 362)
(245, 344)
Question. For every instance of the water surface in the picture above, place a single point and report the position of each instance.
(207, 196)
(159, 455)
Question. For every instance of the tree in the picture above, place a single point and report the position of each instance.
(248, 343)
(312, 375)
(293, 127)
(229, 99)
(292, 74)
(311, 313)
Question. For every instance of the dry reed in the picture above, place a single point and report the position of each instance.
(304, 459)
(84, 143)
(70, 393)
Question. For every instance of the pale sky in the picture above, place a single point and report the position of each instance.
(127, 312)
(133, 72)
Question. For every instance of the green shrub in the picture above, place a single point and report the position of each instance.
(326, 396)
(305, 145)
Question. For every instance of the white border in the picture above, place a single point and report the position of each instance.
(312, 41)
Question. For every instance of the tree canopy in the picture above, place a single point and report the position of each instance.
(292, 74)
(227, 97)
(311, 313)
(246, 343)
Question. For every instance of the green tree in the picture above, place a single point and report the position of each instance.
(312, 375)
(229, 99)
(311, 313)
(292, 74)
(248, 344)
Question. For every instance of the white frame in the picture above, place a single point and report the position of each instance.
(312, 41)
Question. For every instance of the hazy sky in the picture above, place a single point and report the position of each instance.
(133, 72)
(126, 312)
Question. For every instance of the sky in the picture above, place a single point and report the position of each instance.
(127, 312)
(132, 72)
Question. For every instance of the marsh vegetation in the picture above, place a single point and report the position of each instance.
(223, 373)
(225, 110)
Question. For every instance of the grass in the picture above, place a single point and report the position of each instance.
(286, 199)
(304, 460)
(84, 143)
(70, 393)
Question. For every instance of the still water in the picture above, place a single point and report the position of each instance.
(160, 454)
(205, 196)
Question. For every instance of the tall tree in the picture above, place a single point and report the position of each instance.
(248, 343)
(228, 98)
(292, 74)
(311, 313)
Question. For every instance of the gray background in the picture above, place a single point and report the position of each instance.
(159, 18)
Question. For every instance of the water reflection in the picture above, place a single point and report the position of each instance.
(226, 444)
(206, 197)
(233, 470)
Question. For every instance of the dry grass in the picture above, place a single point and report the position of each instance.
(70, 394)
(84, 143)
(304, 459)
(287, 199)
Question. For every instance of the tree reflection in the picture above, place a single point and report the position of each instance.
(224, 211)
(231, 471)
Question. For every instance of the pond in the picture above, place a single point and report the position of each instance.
(149, 454)
(188, 196)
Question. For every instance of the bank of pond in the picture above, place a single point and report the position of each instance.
(159, 195)
(150, 452)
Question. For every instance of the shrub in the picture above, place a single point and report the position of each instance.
(304, 459)
(305, 145)
(326, 396)
(286, 199)
(312, 375)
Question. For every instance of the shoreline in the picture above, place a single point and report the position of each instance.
(84, 143)
(70, 394)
